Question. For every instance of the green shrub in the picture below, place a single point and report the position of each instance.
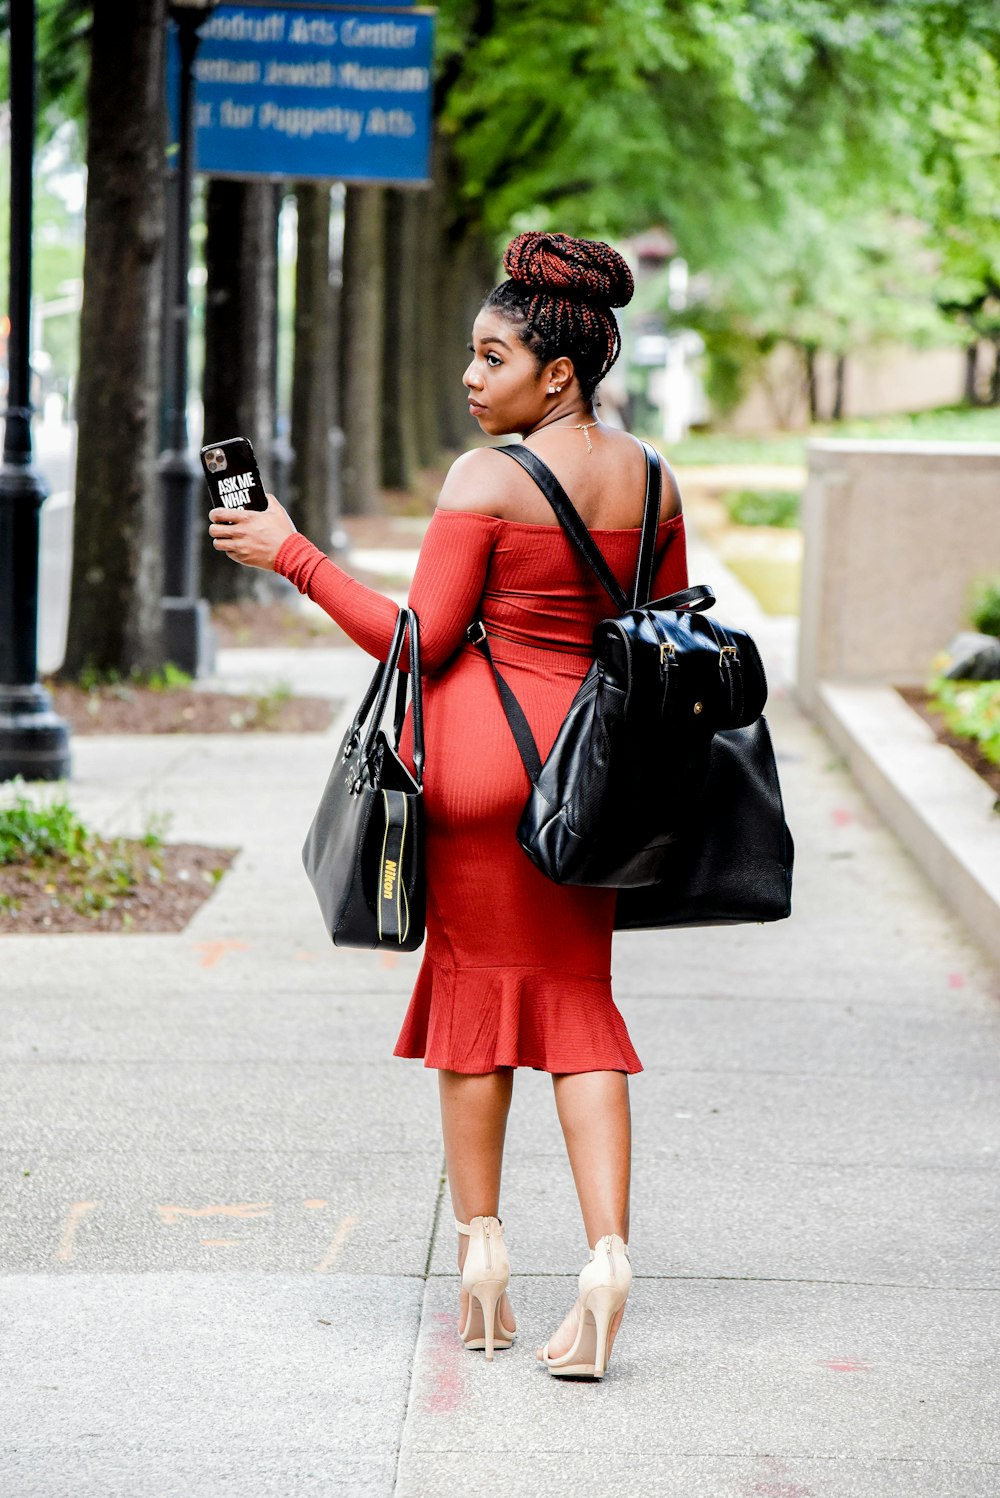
(972, 710)
(31, 834)
(92, 873)
(985, 613)
(762, 507)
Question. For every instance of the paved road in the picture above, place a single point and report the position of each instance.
(226, 1253)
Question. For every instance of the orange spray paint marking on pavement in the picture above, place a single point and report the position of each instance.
(172, 1215)
(74, 1216)
(845, 1365)
(336, 1244)
(388, 959)
(315, 1201)
(306, 957)
(445, 1391)
(211, 951)
(779, 1482)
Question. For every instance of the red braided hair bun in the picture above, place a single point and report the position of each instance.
(559, 300)
(581, 269)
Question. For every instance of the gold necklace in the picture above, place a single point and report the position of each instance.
(584, 427)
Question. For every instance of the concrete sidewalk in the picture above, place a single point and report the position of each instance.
(227, 1252)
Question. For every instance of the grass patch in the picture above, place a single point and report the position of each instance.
(168, 678)
(947, 424)
(762, 507)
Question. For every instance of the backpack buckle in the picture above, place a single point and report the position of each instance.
(471, 635)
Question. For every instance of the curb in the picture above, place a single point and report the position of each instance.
(937, 806)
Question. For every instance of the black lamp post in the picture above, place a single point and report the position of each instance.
(187, 630)
(34, 742)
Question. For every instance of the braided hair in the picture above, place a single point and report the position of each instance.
(559, 300)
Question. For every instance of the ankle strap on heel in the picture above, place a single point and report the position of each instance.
(463, 1227)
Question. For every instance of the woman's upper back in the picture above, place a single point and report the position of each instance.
(607, 485)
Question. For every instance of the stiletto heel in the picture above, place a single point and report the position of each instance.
(485, 1277)
(604, 1287)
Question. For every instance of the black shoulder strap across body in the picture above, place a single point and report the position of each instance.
(610, 795)
(569, 518)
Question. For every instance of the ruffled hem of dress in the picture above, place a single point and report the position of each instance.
(478, 1019)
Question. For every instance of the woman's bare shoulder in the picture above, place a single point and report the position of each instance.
(477, 481)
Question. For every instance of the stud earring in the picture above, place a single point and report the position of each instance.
(554, 389)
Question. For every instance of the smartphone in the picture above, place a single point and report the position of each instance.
(232, 475)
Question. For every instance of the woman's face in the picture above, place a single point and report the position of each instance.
(507, 390)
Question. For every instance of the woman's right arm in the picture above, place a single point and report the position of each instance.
(447, 586)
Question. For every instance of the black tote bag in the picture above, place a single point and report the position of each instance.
(364, 853)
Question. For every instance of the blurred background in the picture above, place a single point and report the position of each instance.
(808, 192)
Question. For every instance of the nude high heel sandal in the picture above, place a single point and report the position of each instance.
(604, 1286)
(485, 1277)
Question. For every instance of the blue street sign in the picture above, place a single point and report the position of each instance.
(312, 91)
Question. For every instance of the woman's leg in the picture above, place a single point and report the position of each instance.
(474, 1112)
(594, 1112)
(596, 1122)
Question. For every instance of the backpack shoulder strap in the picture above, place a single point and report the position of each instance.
(643, 587)
(568, 518)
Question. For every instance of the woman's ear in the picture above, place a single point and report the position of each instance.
(559, 374)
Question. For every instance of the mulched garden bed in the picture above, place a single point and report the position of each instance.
(918, 699)
(128, 708)
(170, 883)
(263, 625)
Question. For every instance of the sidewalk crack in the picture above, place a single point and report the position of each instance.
(432, 1239)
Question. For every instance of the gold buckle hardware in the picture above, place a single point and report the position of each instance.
(666, 648)
(727, 650)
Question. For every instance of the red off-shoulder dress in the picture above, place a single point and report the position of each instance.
(516, 969)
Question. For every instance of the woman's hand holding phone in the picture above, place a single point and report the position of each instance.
(252, 537)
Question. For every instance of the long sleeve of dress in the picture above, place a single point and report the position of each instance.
(447, 586)
(671, 571)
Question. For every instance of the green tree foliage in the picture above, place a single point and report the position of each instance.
(965, 228)
(62, 42)
(797, 149)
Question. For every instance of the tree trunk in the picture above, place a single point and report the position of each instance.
(839, 388)
(401, 365)
(312, 364)
(812, 391)
(362, 301)
(238, 385)
(467, 276)
(427, 330)
(115, 619)
(995, 375)
(971, 395)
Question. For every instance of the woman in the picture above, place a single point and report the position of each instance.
(516, 970)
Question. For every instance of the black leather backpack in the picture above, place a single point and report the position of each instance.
(634, 752)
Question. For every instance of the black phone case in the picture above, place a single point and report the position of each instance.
(232, 475)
